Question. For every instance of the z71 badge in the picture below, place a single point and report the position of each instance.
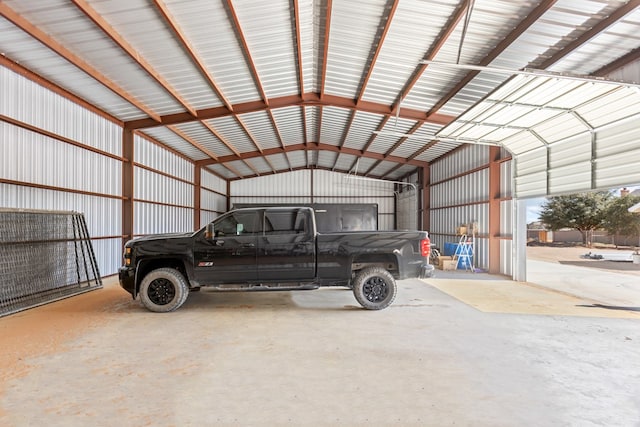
(205, 264)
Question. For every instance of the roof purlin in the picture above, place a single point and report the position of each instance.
(540, 10)
(65, 53)
(190, 51)
(107, 29)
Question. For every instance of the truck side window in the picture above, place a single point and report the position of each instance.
(238, 224)
(284, 222)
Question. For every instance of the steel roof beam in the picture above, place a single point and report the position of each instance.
(308, 99)
(540, 10)
(190, 50)
(245, 48)
(614, 17)
(104, 26)
(315, 147)
(74, 59)
(388, 18)
(630, 57)
(442, 38)
(325, 50)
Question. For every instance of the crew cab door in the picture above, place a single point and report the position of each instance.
(230, 256)
(286, 248)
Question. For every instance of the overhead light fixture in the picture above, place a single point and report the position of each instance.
(529, 72)
(436, 137)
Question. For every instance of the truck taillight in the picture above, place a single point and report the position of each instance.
(425, 247)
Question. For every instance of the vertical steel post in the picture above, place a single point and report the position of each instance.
(127, 185)
(494, 210)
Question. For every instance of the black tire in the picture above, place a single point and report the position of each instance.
(163, 290)
(374, 288)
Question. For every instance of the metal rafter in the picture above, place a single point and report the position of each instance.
(325, 52)
(233, 149)
(592, 32)
(104, 26)
(296, 22)
(65, 53)
(347, 128)
(363, 152)
(535, 14)
(277, 131)
(630, 57)
(442, 38)
(254, 141)
(395, 146)
(245, 48)
(374, 57)
(188, 48)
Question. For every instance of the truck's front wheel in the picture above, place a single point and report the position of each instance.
(163, 290)
(374, 288)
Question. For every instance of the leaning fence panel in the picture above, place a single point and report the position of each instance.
(44, 256)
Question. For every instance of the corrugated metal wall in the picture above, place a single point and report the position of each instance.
(213, 196)
(460, 196)
(44, 172)
(163, 190)
(317, 186)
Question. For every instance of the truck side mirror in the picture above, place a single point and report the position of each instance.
(209, 232)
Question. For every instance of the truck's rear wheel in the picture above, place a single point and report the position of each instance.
(374, 288)
(163, 290)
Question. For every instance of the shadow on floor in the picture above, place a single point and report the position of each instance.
(609, 307)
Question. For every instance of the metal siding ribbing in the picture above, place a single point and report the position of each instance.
(207, 27)
(281, 185)
(35, 56)
(506, 179)
(51, 162)
(470, 188)
(153, 187)
(461, 161)
(506, 257)
(211, 201)
(259, 124)
(159, 47)
(151, 218)
(349, 50)
(28, 102)
(407, 215)
(272, 49)
(213, 182)
(155, 157)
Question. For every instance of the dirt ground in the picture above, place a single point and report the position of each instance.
(571, 255)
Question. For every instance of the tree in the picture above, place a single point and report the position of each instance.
(618, 219)
(583, 211)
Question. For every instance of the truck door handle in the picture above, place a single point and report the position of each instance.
(248, 245)
(219, 242)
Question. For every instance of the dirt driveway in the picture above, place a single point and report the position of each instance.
(570, 255)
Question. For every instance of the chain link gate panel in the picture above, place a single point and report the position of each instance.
(44, 256)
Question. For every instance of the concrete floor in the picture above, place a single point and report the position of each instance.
(459, 349)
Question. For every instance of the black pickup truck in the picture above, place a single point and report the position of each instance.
(271, 249)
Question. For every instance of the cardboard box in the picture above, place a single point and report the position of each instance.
(441, 260)
(449, 265)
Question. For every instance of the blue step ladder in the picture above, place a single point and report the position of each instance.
(464, 254)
